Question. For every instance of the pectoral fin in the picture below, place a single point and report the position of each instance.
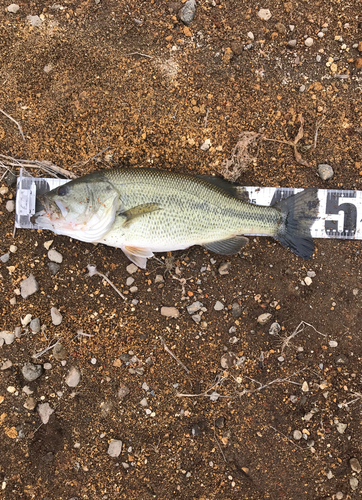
(135, 212)
(227, 247)
(138, 255)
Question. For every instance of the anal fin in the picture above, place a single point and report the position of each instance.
(227, 247)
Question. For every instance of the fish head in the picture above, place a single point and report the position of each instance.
(84, 208)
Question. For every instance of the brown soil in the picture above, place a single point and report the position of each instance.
(151, 111)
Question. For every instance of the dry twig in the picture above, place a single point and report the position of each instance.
(50, 346)
(299, 136)
(16, 123)
(173, 355)
(93, 271)
(240, 157)
(47, 166)
(138, 54)
(316, 130)
(217, 442)
(286, 341)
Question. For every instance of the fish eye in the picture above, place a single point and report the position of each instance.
(63, 190)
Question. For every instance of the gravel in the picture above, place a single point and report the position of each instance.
(264, 318)
(73, 377)
(308, 42)
(56, 316)
(353, 483)
(188, 11)
(193, 308)
(170, 312)
(228, 360)
(10, 205)
(219, 306)
(264, 14)
(13, 8)
(35, 21)
(28, 287)
(45, 411)
(131, 268)
(297, 435)
(355, 465)
(55, 256)
(5, 258)
(341, 427)
(114, 448)
(35, 325)
(325, 171)
(31, 372)
(130, 281)
(53, 267)
(8, 337)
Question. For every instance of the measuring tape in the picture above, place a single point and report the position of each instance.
(339, 216)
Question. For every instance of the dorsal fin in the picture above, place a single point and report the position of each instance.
(233, 190)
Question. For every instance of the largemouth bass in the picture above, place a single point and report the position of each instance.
(144, 210)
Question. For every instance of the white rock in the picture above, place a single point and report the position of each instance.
(56, 316)
(170, 312)
(45, 411)
(10, 205)
(264, 14)
(26, 319)
(219, 306)
(333, 343)
(251, 35)
(353, 483)
(73, 377)
(308, 281)
(308, 42)
(132, 268)
(13, 248)
(341, 427)
(297, 435)
(206, 145)
(55, 256)
(8, 337)
(115, 448)
(264, 318)
(48, 244)
(35, 21)
(13, 8)
(325, 171)
(28, 287)
(130, 281)
(6, 365)
(31, 372)
(305, 386)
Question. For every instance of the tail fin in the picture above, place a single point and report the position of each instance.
(298, 214)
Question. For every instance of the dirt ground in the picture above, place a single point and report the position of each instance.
(129, 80)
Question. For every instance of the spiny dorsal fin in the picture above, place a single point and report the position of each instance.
(233, 190)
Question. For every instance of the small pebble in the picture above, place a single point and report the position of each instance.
(13, 248)
(159, 278)
(292, 43)
(133, 289)
(56, 316)
(35, 325)
(325, 171)
(53, 268)
(195, 431)
(308, 42)
(194, 307)
(302, 88)
(308, 281)
(353, 483)
(45, 410)
(264, 318)
(123, 391)
(228, 360)
(219, 306)
(4, 190)
(333, 343)
(341, 427)
(355, 465)
(188, 11)
(73, 377)
(55, 256)
(130, 281)
(35, 21)
(131, 268)
(170, 312)
(59, 352)
(6, 365)
(30, 404)
(318, 58)
(12, 301)
(28, 287)
(311, 274)
(31, 371)
(10, 205)
(5, 258)
(47, 366)
(236, 310)
(144, 402)
(48, 244)
(224, 268)
(114, 448)
(26, 319)
(274, 329)
(264, 14)
(13, 8)
(297, 435)
(339, 495)
(206, 145)
(305, 386)
(8, 337)
(251, 35)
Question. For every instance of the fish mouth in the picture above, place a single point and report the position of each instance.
(46, 209)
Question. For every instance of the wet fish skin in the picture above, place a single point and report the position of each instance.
(156, 211)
